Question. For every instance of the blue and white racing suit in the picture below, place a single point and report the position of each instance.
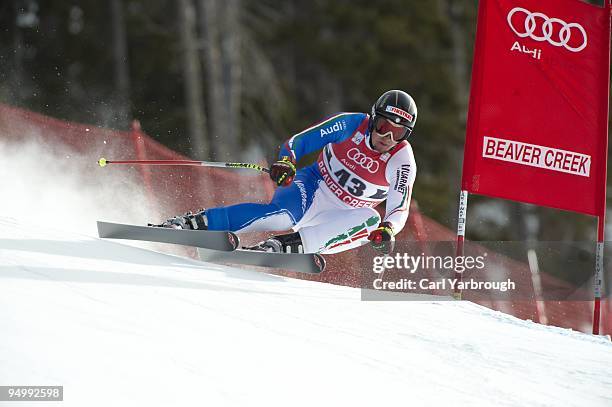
(331, 202)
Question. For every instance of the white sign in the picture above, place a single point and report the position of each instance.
(537, 156)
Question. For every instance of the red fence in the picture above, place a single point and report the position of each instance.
(174, 190)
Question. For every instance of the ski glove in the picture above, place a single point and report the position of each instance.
(382, 239)
(283, 171)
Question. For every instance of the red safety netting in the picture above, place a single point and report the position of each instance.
(174, 190)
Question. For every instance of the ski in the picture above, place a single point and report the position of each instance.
(215, 240)
(310, 263)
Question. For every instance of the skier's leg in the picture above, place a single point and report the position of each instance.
(286, 208)
(327, 226)
(338, 230)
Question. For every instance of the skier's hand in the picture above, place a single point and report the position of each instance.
(382, 239)
(283, 171)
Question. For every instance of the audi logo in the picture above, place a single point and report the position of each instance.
(548, 27)
(363, 160)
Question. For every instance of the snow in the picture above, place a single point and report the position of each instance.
(120, 325)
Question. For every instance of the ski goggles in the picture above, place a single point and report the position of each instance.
(385, 127)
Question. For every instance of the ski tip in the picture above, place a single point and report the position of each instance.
(233, 239)
(320, 262)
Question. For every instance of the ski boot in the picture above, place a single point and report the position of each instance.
(289, 243)
(191, 221)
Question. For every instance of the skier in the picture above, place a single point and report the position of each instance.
(330, 204)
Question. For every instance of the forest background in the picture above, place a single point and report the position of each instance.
(232, 79)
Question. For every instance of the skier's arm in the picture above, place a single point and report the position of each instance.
(401, 173)
(332, 130)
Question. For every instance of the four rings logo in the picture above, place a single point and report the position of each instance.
(562, 39)
(363, 160)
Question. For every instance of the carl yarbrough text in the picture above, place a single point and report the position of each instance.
(443, 284)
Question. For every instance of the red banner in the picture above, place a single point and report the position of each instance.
(538, 117)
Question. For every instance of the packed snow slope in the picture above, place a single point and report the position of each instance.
(118, 325)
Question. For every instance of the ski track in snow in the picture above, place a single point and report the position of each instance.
(120, 325)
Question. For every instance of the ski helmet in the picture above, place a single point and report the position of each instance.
(397, 106)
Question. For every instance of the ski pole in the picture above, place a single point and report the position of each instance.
(103, 162)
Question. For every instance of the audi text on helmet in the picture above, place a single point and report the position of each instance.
(534, 22)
